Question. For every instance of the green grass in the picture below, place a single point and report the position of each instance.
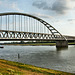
(35, 44)
(72, 43)
(33, 69)
(8, 71)
(39, 44)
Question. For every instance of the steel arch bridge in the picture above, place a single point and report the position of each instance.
(21, 26)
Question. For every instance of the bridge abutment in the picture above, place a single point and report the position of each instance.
(61, 44)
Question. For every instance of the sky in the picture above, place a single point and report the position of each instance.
(59, 13)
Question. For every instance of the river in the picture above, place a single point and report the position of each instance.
(42, 56)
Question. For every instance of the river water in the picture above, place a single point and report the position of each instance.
(42, 56)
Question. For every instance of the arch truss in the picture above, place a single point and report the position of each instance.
(25, 26)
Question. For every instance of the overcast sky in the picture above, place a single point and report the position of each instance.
(59, 13)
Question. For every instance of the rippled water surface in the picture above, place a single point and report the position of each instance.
(42, 56)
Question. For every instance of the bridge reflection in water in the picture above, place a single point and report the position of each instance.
(21, 26)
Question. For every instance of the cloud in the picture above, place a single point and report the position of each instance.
(10, 5)
(72, 0)
(41, 5)
(42, 15)
(71, 19)
(0, 2)
(15, 7)
(59, 6)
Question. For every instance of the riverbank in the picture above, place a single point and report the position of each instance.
(15, 68)
(36, 44)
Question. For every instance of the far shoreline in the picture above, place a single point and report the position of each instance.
(36, 44)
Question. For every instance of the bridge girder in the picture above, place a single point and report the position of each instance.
(27, 35)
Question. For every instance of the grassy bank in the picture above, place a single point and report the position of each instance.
(72, 43)
(36, 44)
(15, 68)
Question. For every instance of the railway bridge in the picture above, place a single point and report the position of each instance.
(20, 26)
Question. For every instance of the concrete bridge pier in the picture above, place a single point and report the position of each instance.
(61, 43)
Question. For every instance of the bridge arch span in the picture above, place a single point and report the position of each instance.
(53, 31)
